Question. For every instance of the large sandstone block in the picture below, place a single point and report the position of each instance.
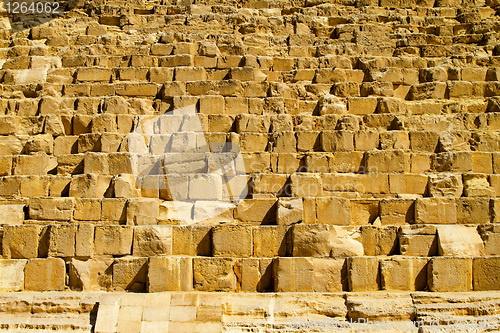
(62, 240)
(56, 209)
(12, 214)
(130, 274)
(329, 275)
(445, 185)
(403, 273)
(364, 211)
(114, 210)
(293, 274)
(232, 241)
(113, 240)
(170, 274)
(449, 274)
(486, 273)
(256, 210)
(45, 275)
(192, 240)
(214, 274)
(491, 237)
(363, 273)
(477, 185)
(418, 240)
(91, 274)
(306, 185)
(379, 241)
(289, 211)
(336, 141)
(397, 211)
(270, 241)
(90, 186)
(435, 211)
(37, 164)
(87, 210)
(457, 240)
(256, 274)
(473, 210)
(385, 161)
(24, 241)
(142, 211)
(12, 272)
(333, 211)
(152, 240)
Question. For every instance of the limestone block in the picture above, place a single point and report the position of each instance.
(362, 105)
(34, 186)
(306, 185)
(366, 140)
(93, 74)
(170, 274)
(363, 273)
(256, 210)
(130, 274)
(273, 184)
(256, 274)
(477, 185)
(418, 240)
(176, 213)
(37, 164)
(397, 211)
(403, 273)
(24, 241)
(491, 237)
(329, 275)
(192, 240)
(160, 75)
(142, 211)
(90, 274)
(113, 240)
(473, 210)
(214, 274)
(232, 241)
(430, 90)
(435, 211)
(311, 240)
(205, 187)
(12, 272)
(137, 89)
(253, 142)
(293, 274)
(151, 241)
(12, 214)
(394, 140)
(289, 211)
(211, 104)
(269, 241)
(459, 241)
(385, 161)
(333, 211)
(125, 186)
(70, 164)
(486, 273)
(10, 145)
(62, 240)
(445, 185)
(8, 125)
(84, 240)
(114, 210)
(364, 211)
(87, 210)
(89, 186)
(379, 241)
(408, 184)
(42, 143)
(336, 141)
(45, 275)
(9, 187)
(449, 274)
(55, 209)
(345, 241)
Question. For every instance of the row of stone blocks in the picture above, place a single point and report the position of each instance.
(240, 240)
(158, 274)
(265, 211)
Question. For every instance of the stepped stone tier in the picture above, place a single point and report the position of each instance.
(250, 166)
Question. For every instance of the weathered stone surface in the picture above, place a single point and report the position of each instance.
(456, 240)
(232, 241)
(486, 273)
(403, 273)
(12, 271)
(45, 274)
(289, 211)
(450, 274)
(363, 273)
(214, 274)
(170, 274)
(152, 241)
(130, 274)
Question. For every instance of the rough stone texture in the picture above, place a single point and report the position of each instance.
(320, 146)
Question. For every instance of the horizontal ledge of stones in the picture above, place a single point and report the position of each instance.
(155, 274)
